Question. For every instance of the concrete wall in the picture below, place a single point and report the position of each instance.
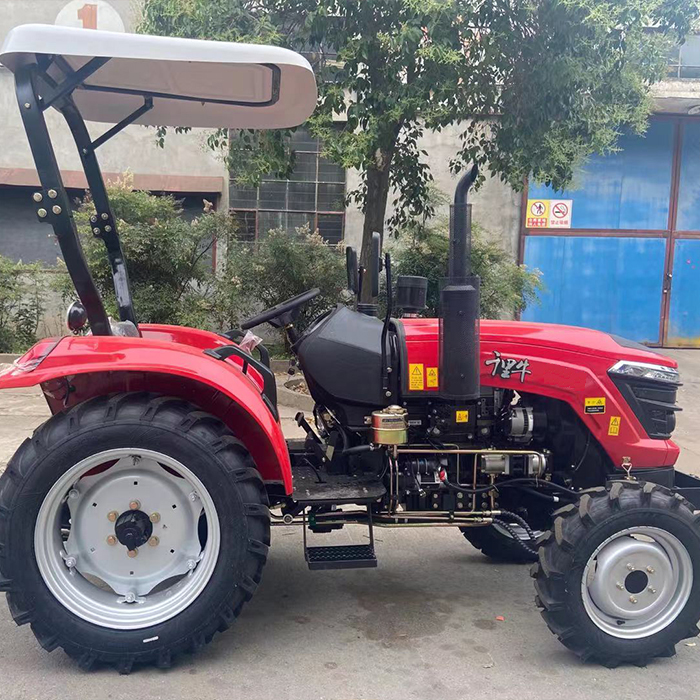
(184, 158)
(496, 207)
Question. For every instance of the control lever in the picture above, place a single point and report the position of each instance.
(313, 441)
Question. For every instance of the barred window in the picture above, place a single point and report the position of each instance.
(313, 196)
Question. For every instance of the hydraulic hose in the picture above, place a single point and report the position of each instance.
(512, 483)
(507, 527)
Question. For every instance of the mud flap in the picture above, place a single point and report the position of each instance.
(688, 486)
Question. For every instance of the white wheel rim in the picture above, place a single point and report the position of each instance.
(93, 576)
(637, 582)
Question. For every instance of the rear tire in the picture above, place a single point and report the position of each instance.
(498, 545)
(155, 425)
(618, 576)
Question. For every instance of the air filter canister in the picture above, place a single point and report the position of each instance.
(390, 426)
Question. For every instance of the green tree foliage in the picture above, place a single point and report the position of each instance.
(538, 84)
(279, 267)
(169, 258)
(506, 288)
(21, 304)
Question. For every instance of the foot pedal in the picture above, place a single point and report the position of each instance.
(343, 556)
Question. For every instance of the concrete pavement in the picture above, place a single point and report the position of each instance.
(423, 625)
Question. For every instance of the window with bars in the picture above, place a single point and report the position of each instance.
(313, 196)
(684, 60)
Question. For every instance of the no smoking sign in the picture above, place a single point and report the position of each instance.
(548, 213)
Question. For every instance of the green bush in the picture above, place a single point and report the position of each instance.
(506, 288)
(280, 266)
(169, 259)
(21, 304)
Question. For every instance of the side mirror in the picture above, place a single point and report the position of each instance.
(375, 264)
(352, 270)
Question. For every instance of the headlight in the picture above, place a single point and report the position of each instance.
(645, 370)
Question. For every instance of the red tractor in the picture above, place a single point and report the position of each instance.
(135, 523)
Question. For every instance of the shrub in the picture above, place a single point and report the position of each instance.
(282, 265)
(168, 258)
(21, 303)
(506, 288)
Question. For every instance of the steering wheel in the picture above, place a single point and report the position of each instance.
(281, 314)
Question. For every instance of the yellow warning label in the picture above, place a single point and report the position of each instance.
(431, 374)
(594, 405)
(415, 377)
(614, 427)
(462, 417)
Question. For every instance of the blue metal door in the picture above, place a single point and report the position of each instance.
(635, 214)
(613, 284)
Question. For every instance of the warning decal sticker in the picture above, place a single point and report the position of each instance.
(614, 427)
(416, 378)
(462, 417)
(548, 213)
(594, 405)
(431, 374)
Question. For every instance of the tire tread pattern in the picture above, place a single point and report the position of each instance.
(556, 556)
(173, 414)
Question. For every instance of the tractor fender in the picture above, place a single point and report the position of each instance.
(167, 360)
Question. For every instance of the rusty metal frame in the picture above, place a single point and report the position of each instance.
(669, 234)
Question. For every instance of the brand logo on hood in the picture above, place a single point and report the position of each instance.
(506, 368)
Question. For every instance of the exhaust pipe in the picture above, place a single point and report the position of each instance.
(459, 301)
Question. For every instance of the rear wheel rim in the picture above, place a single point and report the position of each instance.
(637, 582)
(107, 507)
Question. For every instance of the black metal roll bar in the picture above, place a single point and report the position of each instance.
(37, 91)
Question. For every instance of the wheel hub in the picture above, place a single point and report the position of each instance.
(94, 561)
(637, 582)
(133, 529)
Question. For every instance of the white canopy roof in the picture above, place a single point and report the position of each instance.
(192, 82)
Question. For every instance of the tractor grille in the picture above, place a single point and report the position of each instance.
(653, 402)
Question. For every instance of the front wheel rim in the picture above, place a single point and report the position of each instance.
(637, 582)
(127, 538)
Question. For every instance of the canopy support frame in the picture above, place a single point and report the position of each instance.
(53, 203)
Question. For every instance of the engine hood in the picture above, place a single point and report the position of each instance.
(546, 335)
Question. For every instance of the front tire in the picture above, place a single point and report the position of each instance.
(618, 576)
(499, 545)
(132, 529)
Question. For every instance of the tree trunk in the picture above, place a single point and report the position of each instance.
(375, 213)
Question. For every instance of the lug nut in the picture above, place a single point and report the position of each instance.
(53, 194)
(651, 590)
(133, 553)
(630, 567)
(620, 586)
(633, 600)
(135, 505)
(112, 516)
(56, 209)
(155, 517)
(111, 540)
(96, 231)
(42, 213)
(37, 196)
(650, 569)
(154, 541)
(104, 217)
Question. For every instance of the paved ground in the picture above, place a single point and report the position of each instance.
(423, 625)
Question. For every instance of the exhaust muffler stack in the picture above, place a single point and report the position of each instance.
(459, 302)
